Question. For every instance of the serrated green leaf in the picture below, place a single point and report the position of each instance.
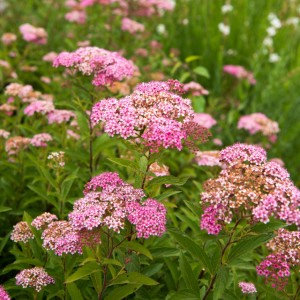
(122, 292)
(133, 278)
(137, 248)
(187, 273)
(202, 72)
(247, 245)
(84, 271)
(74, 291)
(168, 180)
(195, 250)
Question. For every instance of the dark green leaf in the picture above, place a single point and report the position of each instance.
(122, 292)
(187, 273)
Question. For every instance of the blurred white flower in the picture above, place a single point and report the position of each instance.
(276, 23)
(292, 21)
(225, 29)
(271, 31)
(268, 41)
(185, 21)
(231, 52)
(161, 28)
(226, 8)
(274, 57)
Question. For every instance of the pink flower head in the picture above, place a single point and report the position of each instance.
(149, 218)
(247, 287)
(275, 270)
(3, 294)
(195, 89)
(39, 106)
(76, 16)
(40, 140)
(153, 112)
(258, 122)
(105, 66)
(43, 220)
(36, 35)
(21, 232)
(132, 26)
(208, 158)
(15, 144)
(8, 38)
(36, 278)
(241, 152)
(205, 120)
(60, 116)
(4, 134)
(240, 73)
(49, 57)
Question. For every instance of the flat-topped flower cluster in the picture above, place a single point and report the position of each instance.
(249, 186)
(153, 114)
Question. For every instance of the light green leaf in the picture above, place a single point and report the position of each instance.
(74, 291)
(192, 58)
(202, 72)
(124, 163)
(84, 271)
(122, 292)
(168, 180)
(167, 195)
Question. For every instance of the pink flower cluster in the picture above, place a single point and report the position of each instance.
(36, 35)
(109, 201)
(59, 116)
(4, 134)
(153, 112)
(247, 287)
(249, 185)
(3, 294)
(205, 120)
(132, 26)
(275, 270)
(259, 122)
(43, 220)
(240, 73)
(149, 218)
(36, 278)
(195, 89)
(15, 144)
(41, 139)
(21, 232)
(39, 106)
(104, 65)
(208, 158)
(76, 16)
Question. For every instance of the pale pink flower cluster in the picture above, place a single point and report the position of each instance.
(49, 57)
(72, 135)
(36, 35)
(240, 73)
(195, 89)
(4, 134)
(41, 139)
(148, 217)
(60, 116)
(39, 106)
(61, 237)
(258, 122)
(3, 294)
(76, 16)
(249, 184)
(104, 65)
(208, 158)
(8, 38)
(153, 112)
(131, 26)
(205, 120)
(21, 232)
(57, 159)
(36, 278)
(275, 270)
(109, 201)
(247, 287)
(43, 220)
(15, 144)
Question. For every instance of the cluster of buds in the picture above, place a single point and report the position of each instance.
(56, 160)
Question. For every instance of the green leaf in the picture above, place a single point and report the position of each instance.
(122, 292)
(84, 271)
(247, 245)
(187, 274)
(202, 72)
(83, 123)
(220, 284)
(74, 291)
(137, 248)
(167, 195)
(109, 261)
(269, 227)
(168, 180)
(152, 269)
(133, 278)
(184, 294)
(199, 104)
(67, 184)
(124, 163)
(188, 244)
(192, 58)
(4, 209)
